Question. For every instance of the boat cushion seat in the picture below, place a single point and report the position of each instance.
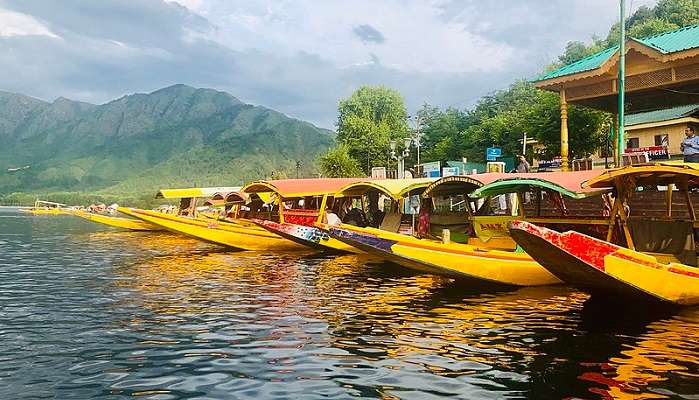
(664, 237)
(391, 222)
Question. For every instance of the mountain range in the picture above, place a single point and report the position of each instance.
(173, 137)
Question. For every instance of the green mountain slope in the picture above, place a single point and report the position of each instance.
(175, 136)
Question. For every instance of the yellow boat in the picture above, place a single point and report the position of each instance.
(118, 222)
(242, 232)
(649, 254)
(47, 208)
(224, 233)
(474, 243)
(314, 234)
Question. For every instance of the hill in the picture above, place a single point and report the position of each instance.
(175, 136)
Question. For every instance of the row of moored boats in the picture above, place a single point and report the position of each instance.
(626, 234)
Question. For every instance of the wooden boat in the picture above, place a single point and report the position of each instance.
(208, 228)
(648, 254)
(242, 232)
(314, 234)
(296, 224)
(42, 207)
(118, 222)
(481, 250)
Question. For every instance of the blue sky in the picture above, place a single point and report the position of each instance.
(299, 57)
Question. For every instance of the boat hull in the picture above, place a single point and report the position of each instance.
(460, 261)
(119, 222)
(218, 232)
(47, 212)
(604, 269)
(310, 236)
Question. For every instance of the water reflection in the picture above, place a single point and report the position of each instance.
(91, 313)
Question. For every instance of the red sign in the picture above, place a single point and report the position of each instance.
(654, 152)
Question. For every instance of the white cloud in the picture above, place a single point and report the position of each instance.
(18, 24)
(296, 56)
(416, 38)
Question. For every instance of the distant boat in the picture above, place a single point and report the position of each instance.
(18, 168)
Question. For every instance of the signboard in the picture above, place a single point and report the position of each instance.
(550, 164)
(497, 166)
(378, 172)
(450, 171)
(489, 227)
(654, 152)
(432, 169)
(492, 153)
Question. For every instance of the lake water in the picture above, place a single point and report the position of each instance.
(89, 312)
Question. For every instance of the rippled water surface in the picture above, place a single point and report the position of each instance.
(90, 312)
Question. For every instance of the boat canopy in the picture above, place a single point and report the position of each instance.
(460, 184)
(649, 174)
(566, 183)
(294, 188)
(49, 203)
(194, 192)
(227, 198)
(394, 188)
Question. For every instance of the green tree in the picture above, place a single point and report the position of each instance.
(502, 118)
(651, 27)
(338, 163)
(368, 120)
(678, 12)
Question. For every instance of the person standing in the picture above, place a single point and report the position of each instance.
(690, 145)
(523, 165)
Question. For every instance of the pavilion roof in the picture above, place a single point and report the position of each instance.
(666, 43)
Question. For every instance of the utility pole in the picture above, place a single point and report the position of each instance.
(622, 73)
(524, 145)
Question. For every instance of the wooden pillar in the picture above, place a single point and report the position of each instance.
(564, 131)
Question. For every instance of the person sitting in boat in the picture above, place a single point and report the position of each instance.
(690, 145)
(331, 218)
(375, 215)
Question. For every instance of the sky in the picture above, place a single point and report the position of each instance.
(299, 57)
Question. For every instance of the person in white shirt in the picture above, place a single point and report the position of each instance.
(331, 218)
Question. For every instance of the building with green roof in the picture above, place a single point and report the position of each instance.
(661, 127)
(662, 73)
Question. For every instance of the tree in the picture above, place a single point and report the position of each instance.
(678, 12)
(651, 27)
(368, 120)
(338, 163)
(278, 174)
(501, 119)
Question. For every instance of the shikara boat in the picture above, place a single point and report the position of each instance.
(117, 222)
(295, 223)
(649, 253)
(268, 201)
(314, 234)
(42, 207)
(207, 227)
(468, 239)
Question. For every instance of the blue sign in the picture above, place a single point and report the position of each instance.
(492, 153)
